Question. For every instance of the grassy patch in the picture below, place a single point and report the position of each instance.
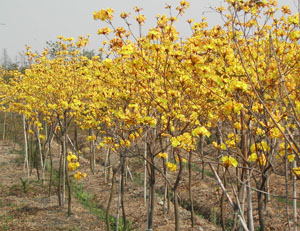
(4, 222)
(86, 199)
(282, 200)
(3, 163)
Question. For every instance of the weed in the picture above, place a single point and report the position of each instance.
(229, 224)
(200, 216)
(25, 184)
(86, 199)
(138, 178)
(213, 215)
(3, 163)
(4, 227)
(283, 200)
(4, 222)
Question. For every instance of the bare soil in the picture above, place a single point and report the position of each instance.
(25, 204)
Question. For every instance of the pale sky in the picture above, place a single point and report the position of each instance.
(34, 22)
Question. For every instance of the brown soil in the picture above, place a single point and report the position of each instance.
(30, 208)
(33, 209)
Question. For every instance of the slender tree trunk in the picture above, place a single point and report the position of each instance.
(122, 193)
(190, 188)
(244, 176)
(260, 211)
(76, 139)
(220, 141)
(118, 204)
(286, 186)
(223, 223)
(63, 177)
(249, 204)
(176, 208)
(145, 172)
(294, 197)
(41, 154)
(66, 171)
(261, 204)
(201, 155)
(106, 166)
(165, 204)
(51, 168)
(4, 127)
(26, 161)
(59, 191)
(69, 189)
(92, 152)
(152, 192)
(110, 199)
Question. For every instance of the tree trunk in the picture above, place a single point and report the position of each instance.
(294, 198)
(106, 166)
(152, 192)
(110, 199)
(26, 161)
(190, 188)
(4, 127)
(51, 169)
(122, 192)
(249, 204)
(176, 211)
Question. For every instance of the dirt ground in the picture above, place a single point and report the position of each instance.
(25, 204)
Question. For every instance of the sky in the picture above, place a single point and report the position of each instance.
(33, 22)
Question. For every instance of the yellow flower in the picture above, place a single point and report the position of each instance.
(184, 3)
(239, 85)
(291, 157)
(175, 142)
(229, 161)
(140, 19)
(171, 166)
(262, 160)
(259, 131)
(79, 175)
(103, 14)
(190, 20)
(72, 166)
(275, 133)
(42, 137)
(91, 138)
(252, 157)
(237, 125)
(223, 146)
(104, 31)
(124, 15)
(71, 157)
(201, 131)
(182, 159)
(162, 155)
(296, 171)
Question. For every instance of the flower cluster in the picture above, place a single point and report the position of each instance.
(73, 164)
(229, 161)
(79, 175)
(104, 14)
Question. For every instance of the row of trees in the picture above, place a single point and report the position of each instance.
(156, 96)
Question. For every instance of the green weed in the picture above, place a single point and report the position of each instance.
(86, 199)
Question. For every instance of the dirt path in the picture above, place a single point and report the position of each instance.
(28, 207)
